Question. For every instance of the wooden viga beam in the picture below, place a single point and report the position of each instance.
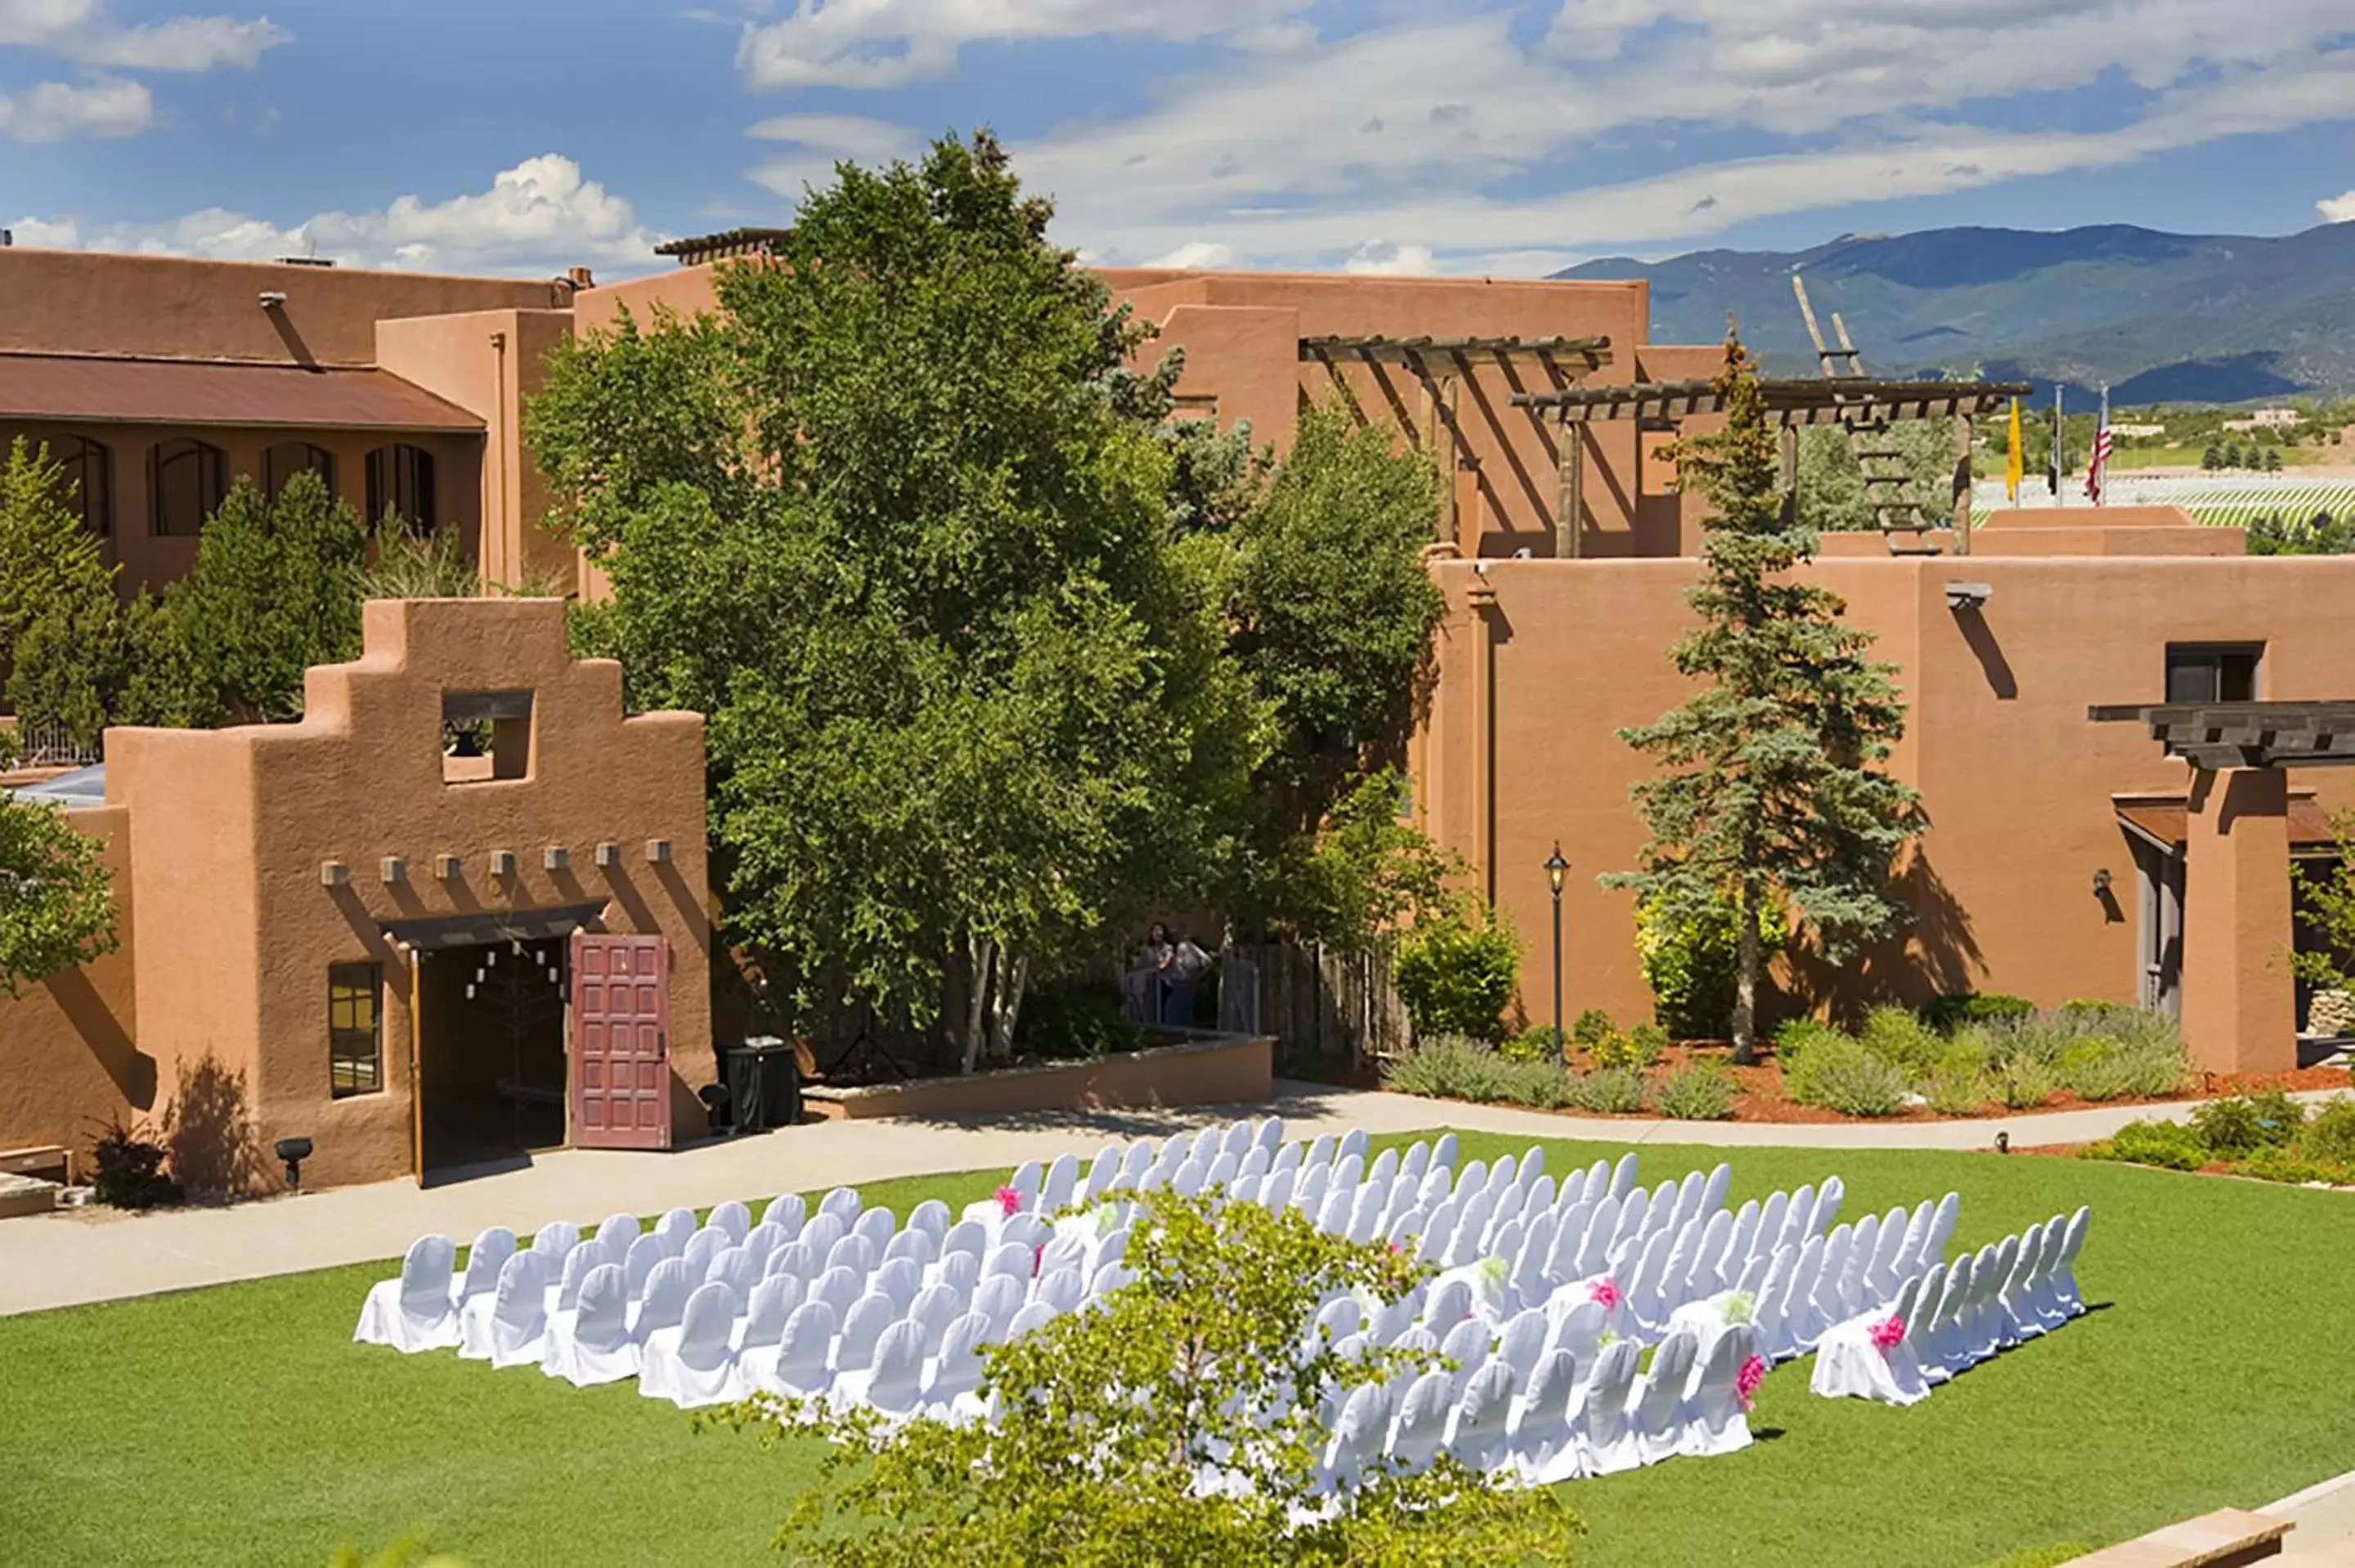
(1593, 351)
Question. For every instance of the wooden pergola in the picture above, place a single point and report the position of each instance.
(1792, 402)
(1439, 366)
(2268, 736)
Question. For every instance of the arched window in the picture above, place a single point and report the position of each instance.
(89, 479)
(401, 480)
(188, 479)
(287, 459)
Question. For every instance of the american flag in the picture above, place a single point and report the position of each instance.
(2096, 469)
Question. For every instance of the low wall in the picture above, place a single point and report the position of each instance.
(1205, 1070)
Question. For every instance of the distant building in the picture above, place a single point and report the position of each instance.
(2138, 432)
(2266, 419)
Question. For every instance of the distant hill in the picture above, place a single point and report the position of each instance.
(2161, 317)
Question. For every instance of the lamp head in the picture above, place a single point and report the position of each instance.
(1554, 866)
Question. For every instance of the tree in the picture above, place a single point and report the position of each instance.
(1772, 782)
(1832, 494)
(274, 591)
(1108, 1421)
(896, 516)
(2273, 459)
(59, 656)
(2211, 457)
(1362, 875)
(57, 902)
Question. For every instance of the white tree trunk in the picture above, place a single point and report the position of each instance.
(980, 958)
(1745, 980)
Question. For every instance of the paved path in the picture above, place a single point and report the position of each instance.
(2325, 1524)
(66, 1260)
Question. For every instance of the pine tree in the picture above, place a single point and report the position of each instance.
(1774, 782)
(275, 590)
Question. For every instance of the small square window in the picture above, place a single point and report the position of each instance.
(355, 1029)
(485, 735)
(2212, 671)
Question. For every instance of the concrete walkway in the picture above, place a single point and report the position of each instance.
(68, 1259)
(2325, 1516)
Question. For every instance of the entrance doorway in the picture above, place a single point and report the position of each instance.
(491, 1057)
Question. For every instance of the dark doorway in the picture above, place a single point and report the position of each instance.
(491, 1048)
(2310, 935)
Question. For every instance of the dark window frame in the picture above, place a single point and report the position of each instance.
(315, 460)
(2214, 671)
(400, 479)
(211, 468)
(81, 457)
(354, 1039)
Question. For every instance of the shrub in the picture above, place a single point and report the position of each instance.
(2240, 1125)
(1456, 975)
(2094, 1070)
(2287, 1165)
(1613, 1089)
(1072, 1022)
(1945, 1012)
(1540, 1086)
(2024, 1083)
(1689, 958)
(1699, 1091)
(1898, 1037)
(1840, 1074)
(1958, 1093)
(129, 1167)
(1534, 1043)
(1640, 1047)
(2330, 1136)
(1446, 1067)
(2094, 1007)
(1801, 1035)
(1593, 1027)
(2166, 1144)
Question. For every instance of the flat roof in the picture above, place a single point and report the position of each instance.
(76, 389)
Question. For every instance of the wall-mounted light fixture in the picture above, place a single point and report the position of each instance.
(271, 300)
(2102, 882)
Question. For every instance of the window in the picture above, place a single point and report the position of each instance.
(400, 480)
(484, 736)
(187, 481)
(2212, 671)
(287, 459)
(90, 481)
(354, 1030)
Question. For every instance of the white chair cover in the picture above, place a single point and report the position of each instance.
(1062, 1180)
(519, 1300)
(897, 1382)
(484, 1260)
(763, 1241)
(665, 1298)
(788, 1211)
(1475, 1433)
(693, 1364)
(823, 1230)
(1602, 1425)
(2066, 1295)
(917, 1246)
(997, 1299)
(794, 1258)
(617, 1233)
(838, 1287)
(800, 1366)
(1849, 1365)
(1423, 1419)
(876, 1226)
(1658, 1413)
(1538, 1435)
(639, 1262)
(1357, 1436)
(1715, 1420)
(674, 1228)
(900, 1278)
(555, 1239)
(935, 1306)
(854, 1348)
(732, 1220)
(955, 1373)
(566, 1293)
(843, 1204)
(772, 1301)
(413, 1311)
(594, 1344)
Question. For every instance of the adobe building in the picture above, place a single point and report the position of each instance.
(457, 913)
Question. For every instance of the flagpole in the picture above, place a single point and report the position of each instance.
(2060, 466)
(2102, 434)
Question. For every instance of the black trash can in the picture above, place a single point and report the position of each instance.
(764, 1084)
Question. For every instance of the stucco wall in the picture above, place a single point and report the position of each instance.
(237, 930)
(68, 1063)
(151, 560)
(159, 307)
(2016, 780)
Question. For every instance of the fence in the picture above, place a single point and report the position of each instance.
(1318, 1001)
(48, 745)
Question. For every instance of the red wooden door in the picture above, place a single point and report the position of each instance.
(621, 1042)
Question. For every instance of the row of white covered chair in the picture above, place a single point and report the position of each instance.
(1949, 1318)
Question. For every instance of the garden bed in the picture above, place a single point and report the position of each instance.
(1200, 1069)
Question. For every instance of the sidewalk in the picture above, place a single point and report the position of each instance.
(2325, 1515)
(67, 1260)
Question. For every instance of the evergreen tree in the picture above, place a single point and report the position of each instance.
(1773, 781)
(2211, 457)
(60, 654)
(275, 590)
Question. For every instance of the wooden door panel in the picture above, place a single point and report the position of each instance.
(621, 1028)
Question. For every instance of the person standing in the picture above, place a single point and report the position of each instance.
(1184, 971)
(1149, 981)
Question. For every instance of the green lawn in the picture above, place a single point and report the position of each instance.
(240, 1425)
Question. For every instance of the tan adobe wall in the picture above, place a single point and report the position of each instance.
(2016, 780)
(160, 307)
(68, 1061)
(237, 932)
(152, 560)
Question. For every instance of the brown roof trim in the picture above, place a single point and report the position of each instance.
(74, 389)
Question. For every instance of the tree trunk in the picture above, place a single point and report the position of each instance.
(1013, 978)
(1745, 978)
(980, 958)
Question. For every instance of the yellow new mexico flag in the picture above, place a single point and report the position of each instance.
(2013, 467)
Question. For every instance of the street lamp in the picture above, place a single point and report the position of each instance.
(1554, 866)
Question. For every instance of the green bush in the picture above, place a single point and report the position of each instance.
(1071, 1023)
(2288, 1166)
(1972, 1007)
(1456, 975)
(2329, 1137)
(1840, 1074)
(1593, 1027)
(1898, 1037)
(2024, 1083)
(2166, 1144)
(1690, 957)
(2094, 1070)
(1958, 1093)
(1540, 1086)
(1699, 1091)
(129, 1170)
(1614, 1089)
(1447, 1068)
(1801, 1035)
(2240, 1125)
(2094, 1007)
(1534, 1043)
(1640, 1047)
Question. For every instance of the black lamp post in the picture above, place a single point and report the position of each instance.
(1554, 866)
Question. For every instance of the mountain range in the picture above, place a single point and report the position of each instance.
(2161, 318)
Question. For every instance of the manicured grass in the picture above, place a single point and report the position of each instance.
(240, 1425)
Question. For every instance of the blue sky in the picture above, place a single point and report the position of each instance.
(1510, 138)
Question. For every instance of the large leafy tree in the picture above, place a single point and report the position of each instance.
(1773, 781)
(56, 901)
(896, 516)
(1107, 1421)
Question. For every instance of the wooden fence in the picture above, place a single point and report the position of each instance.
(1315, 1000)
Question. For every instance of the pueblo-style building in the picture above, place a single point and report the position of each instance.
(292, 892)
(456, 913)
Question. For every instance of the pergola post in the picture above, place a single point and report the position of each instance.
(2240, 1012)
(1570, 511)
(1962, 482)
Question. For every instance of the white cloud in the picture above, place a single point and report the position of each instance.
(2337, 210)
(1376, 259)
(53, 112)
(889, 43)
(536, 220)
(1196, 255)
(819, 141)
(81, 31)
